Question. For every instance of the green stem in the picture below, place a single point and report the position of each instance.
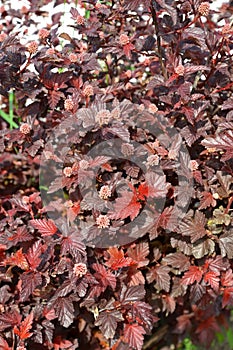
(7, 118)
(11, 108)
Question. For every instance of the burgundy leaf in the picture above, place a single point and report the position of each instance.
(64, 310)
(222, 141)
(134, 335)
(30, 280)
(126, 205)
(4, 345)
(227, 297)
(139, 253)
(157, 184)
(160, 274)
(226, 244)
(193, 227)
(107, 321)
(21, 235)
(104, 276)
(177, 260)
(144, 312)
(132, 294)
(169, 304)
(72, 245)
(9, 319)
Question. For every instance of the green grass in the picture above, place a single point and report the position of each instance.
(9, 118)
(223, 340)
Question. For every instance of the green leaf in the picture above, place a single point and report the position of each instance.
(230, 338)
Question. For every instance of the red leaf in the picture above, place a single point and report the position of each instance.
(104, 276)
(21, 235)
(4, 345)
(212, 278)
(59, 343)
(143, 191)
(18, 259)
(227, 279)
(207, 200)
(169, 304)
(127, 49)
(134, 335)
(207, 330)
(227, 297)
(126, 205)
(46, 227)
(73, 211)
(139, 253)
(33, 255)
(193, 274)
(24, 328)
(117, 259)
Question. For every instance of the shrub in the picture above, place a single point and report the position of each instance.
(116, 174)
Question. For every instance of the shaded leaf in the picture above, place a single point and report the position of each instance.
(30, 280)
(64, 310)
(226, 244)
(193, 227)
(9, 319)
(107, 320)
(160, 274)
(4, 345)
(104, 276)
(132, 294)
(177, 260)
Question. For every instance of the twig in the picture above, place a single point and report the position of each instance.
(155, 22)
(156, 337)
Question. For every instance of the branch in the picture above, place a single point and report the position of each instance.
(156, 337)
(155, 22)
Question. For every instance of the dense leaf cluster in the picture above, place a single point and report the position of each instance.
(127, 65)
